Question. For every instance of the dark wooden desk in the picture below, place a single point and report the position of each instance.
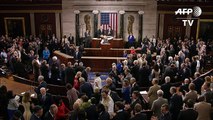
(98, 64)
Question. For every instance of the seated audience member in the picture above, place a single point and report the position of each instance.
(203, 108)
(184, 88)
(134, 85)
(152, 93)
(92, 113)
(51, 114)
(120, 113)
(192, 94)
(72, 94)
(108, 103)
(138, 115)
(156, 106)
(45, 99)
(103, 114)
(166, 87)
(175, 103)
(97, 81)
(63, 111)
(17, 115)
(42, 83)
(13, 104)
(126, 91)
(85, 87)
(37, 113)
(76, 113)
(188, 113)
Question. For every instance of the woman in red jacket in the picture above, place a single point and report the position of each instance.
(63, 111)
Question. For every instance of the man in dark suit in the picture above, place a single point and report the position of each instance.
(38, 112)
(189, 113)
(69, 73)
(135, 99)
(77, 55)
(184, 88)
(100, 32)
(110, 31)
(120, 113)
(51, 114)
(45, 99)
(103, 115)
(184, 72)
(111, 93)
(138, 114)
(134, 85)
(92, 113)
(176, 103)
(166, 87)
(71, 39)
(42, 83)
(85, 87)
(198, 82)
(135, 70)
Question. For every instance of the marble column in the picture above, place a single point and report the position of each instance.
(140, 30)
(77, 30)
(121, 35)
(161, 25)
(32, 23)
(95, 12)
(58, 25)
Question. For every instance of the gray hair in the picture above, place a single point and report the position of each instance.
(160, 93)
(167, 79)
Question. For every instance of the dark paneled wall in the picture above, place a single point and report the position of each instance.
(45, 23)
(13, 15)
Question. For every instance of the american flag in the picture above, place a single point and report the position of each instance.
(109, 19)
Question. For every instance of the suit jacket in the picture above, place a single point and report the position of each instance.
(132, 105)
(92, 114)
(131, 39)
(109, 32)
(166, 89)
(156, 106)
(175, 105)
(198, 84)
(45, 103)
(188, 114)
(33, 117)
(122, 115)
(152, 93)
(114, 96)
(77, 56)
(140, 116)
(135, 87)
(183, 88)
(204, 110)
(48, 116)
(104, 116)
(43, 84)
(191, 95)
(87, 89)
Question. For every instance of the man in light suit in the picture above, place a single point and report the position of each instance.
(203, 108)
(156, 106)
(152, 93)
(192, 94)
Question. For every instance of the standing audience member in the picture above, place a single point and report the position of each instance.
(108, 103)
(51, 114)
(26, 104)
(166, 88)
(42, 83)
(36, 67)
(85, 87)
(192, 94)
(97, 81)
(46, 53)
(63, 111)
(69, 74)
(3, 102)
(126, 91)
(76, 113)
(156, 106)
(72, 94)
(203, 108)
(175, 104)
(120, 114)
(152, 93)
(37, 113)
(138, 113)
(188, 113)
(13, 104)
(103, 114)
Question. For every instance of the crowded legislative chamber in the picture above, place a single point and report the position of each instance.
(106, 59)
